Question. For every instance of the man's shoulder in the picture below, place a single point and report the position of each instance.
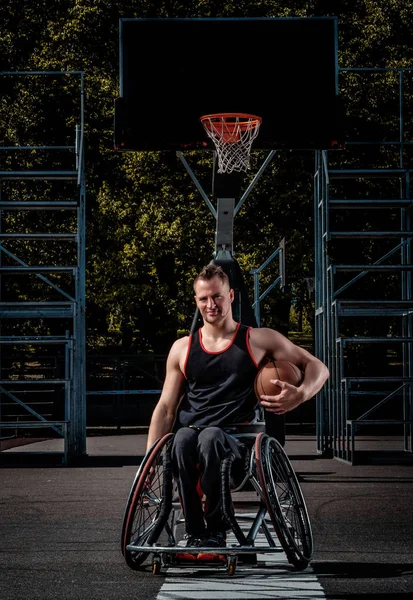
(180, 345)
(261, 331)
(263, 334)
(178, 350)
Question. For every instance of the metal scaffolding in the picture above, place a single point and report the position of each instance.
(363, 292)
(42, 258)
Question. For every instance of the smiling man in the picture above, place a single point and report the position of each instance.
(209, 386)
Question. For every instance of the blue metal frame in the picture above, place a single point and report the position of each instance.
(280, 280)
(71, 306)
(337, 403)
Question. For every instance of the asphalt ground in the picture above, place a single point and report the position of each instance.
(60, 526)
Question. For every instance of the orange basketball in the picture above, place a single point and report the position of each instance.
(280, 369)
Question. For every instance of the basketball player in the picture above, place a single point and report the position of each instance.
(209, 385)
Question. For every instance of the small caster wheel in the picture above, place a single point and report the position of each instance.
(156, 565)
(231, 565)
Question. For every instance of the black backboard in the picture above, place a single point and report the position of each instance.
(173, 71)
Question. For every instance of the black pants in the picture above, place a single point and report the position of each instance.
(196, 458)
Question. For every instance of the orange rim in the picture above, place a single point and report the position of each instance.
(247, 120)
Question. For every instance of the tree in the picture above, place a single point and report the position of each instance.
(148, 230)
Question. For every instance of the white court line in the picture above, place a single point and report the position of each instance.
(270, 578)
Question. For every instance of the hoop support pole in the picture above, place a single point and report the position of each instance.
(254, 181)
(225, 224)
(196, 182)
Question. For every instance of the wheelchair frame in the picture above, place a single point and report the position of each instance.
(152, 513)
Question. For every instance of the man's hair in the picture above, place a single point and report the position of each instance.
(211, 271)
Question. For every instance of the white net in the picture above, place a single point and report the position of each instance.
(232, 135)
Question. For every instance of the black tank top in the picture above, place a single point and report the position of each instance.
(220, 385)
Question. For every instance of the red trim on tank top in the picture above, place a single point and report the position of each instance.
(249, 348)
(187, 355)
(221, 351)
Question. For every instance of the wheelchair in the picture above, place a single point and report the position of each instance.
(153, 516)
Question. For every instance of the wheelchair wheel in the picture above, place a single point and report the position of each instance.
(284, 500)
(145, 513)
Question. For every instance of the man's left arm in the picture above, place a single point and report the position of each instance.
(314, 370)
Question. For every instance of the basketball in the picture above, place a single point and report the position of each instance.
(280, 369)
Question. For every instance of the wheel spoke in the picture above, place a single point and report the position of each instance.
(284, 501)
(146, 502)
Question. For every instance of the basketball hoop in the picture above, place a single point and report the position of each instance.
(232, 134)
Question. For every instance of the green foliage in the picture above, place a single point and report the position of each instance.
(148, 229)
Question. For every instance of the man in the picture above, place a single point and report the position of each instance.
(209, 385)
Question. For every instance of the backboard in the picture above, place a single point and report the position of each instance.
(173, 71)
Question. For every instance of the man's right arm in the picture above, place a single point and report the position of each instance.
(164, 414)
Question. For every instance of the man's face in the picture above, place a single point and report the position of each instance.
(213, 299)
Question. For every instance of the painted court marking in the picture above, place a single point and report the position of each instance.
(272, 577)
